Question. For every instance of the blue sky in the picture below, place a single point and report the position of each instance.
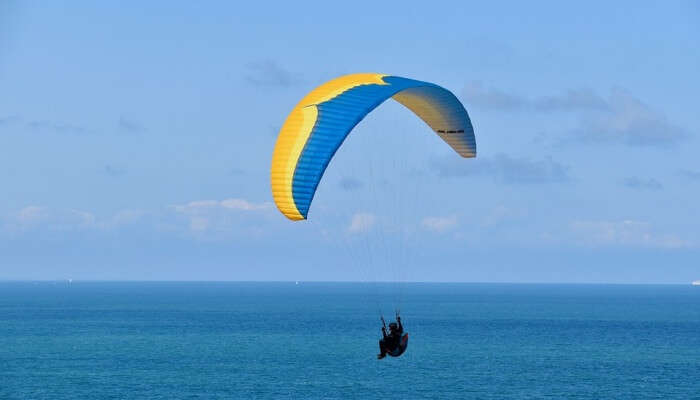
(135, 142)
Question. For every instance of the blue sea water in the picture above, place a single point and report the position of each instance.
(206, 340)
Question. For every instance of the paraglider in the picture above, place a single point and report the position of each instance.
(321, 121)
(395, 343)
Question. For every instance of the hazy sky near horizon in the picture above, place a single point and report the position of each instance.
(135, 142)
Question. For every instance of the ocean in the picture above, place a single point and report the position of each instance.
(229, 340)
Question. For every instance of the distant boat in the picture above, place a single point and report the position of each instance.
(696, 283)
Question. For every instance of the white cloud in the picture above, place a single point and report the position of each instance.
(82, 217)
(195, 207)
(126, 217)
(31, 214)
(625, 233)
(196, 216)
(439, 224)
(204, 206)
(214, 215)
(240, 204)
(501, 214)
(35, 217)
(361, 222)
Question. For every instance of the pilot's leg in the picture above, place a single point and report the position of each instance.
(382, 348)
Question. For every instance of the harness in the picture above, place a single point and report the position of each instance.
(401, 348)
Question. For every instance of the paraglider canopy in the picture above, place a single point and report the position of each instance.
(319, 123)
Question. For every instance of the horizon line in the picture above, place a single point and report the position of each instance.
(73, 280)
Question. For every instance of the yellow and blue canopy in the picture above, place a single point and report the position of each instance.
(318, 125)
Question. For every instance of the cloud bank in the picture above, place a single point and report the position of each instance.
(642, 183)
(439, 224)
(618, 118)
(505, 169)
(623, 233)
